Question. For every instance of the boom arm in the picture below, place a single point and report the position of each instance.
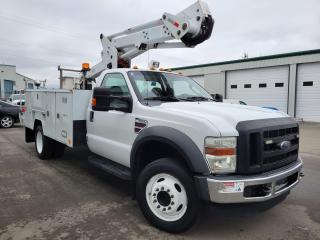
(190, 27)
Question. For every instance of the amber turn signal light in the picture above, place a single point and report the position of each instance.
(93, 102)
(220, 151)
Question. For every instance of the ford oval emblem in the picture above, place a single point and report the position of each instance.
(284, 145)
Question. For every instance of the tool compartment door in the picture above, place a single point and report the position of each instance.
(64, 118)
(48, 103)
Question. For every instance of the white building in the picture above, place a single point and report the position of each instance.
(289, 82)
(11, 81)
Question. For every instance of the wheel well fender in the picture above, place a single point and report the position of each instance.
(173, 139)
(30, 133)
(37, 122)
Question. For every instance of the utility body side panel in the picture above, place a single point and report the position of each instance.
(62, 113)
(41, 106)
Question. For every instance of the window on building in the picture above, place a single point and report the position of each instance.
(234, 86)
(279, 84)
(30, 85)
(308, 84)
(8, 88)
(247, 86)
(262, 85)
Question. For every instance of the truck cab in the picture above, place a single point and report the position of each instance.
(234, 153)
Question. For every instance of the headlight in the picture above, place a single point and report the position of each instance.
(221, 154)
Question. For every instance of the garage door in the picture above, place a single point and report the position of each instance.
(199, 79)
(308, 92)
(260, 87)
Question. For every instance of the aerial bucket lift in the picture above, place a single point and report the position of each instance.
(186, 29)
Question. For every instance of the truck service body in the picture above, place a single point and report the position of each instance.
(167, 135)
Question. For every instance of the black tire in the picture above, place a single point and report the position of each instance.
(58, 149)
(178, 171)
(48, 145)
(6, 121)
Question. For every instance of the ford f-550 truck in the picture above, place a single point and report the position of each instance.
(164, 132)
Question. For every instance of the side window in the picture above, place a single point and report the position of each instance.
(116, 84)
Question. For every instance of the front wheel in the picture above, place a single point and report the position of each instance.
(166, 195)
(6, 121)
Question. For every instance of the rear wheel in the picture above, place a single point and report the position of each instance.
(44, 145)
(166, 195)
(6, 121)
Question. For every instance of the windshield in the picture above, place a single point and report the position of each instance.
(167, 87)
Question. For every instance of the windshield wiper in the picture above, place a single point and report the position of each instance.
(164, 98)
(198, 98)
(175, 99)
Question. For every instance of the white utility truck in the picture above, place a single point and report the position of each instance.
(164, 132)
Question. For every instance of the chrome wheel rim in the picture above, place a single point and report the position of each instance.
(39, 142)
(6, 122)
(166, 197)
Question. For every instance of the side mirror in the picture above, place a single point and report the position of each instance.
(103, 100)
(217, 97)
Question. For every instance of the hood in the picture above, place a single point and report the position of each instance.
(223, 116)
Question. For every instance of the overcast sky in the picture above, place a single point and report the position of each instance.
(39, 35)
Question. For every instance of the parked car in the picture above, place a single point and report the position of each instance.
(9, 114)
(17, 99)
(234, 101)
(20, 102)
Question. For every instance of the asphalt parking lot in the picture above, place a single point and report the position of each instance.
(66, 198)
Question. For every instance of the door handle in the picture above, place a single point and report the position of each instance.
(91, 116)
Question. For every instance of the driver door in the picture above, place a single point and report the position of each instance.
(111, 133)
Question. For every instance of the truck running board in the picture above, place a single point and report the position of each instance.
(110, 167)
